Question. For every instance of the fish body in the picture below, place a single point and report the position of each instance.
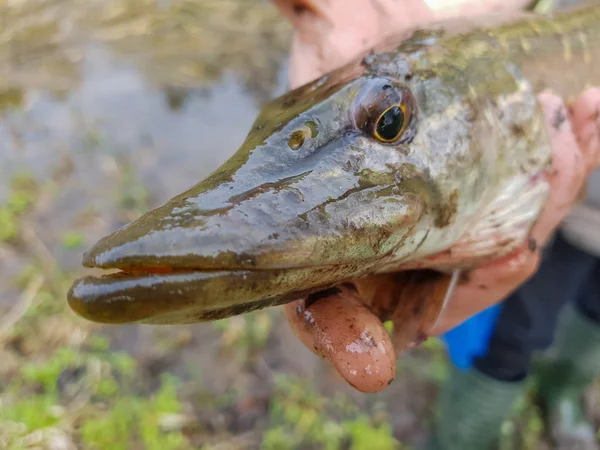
(429, 152)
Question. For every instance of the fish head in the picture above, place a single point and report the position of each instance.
(332, 179)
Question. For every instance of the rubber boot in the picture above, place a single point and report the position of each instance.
(563, 375)
(471, 410)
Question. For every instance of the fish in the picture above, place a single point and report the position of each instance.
(428, 153)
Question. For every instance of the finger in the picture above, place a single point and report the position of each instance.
(329, 34)
(571, 161)
(413, 300)
(341, 329)
(487, 285)
(585, 120)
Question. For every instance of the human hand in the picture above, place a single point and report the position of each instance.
(346, 327)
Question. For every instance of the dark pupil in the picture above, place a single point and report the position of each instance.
(390, 124)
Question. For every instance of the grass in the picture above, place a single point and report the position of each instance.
(70, 383)
(64, 381)
(246, 334)
(89, 393)
(24, 191)
(94, 396)
(67, 381)
(72, 240)
(300, 418)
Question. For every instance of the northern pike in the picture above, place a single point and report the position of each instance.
(427, 153)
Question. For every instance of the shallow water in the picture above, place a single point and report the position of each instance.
(115, 107)
(104, 98)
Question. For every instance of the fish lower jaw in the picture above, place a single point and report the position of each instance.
(166, 269)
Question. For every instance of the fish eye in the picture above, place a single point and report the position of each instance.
(385, 110)
(391, 123)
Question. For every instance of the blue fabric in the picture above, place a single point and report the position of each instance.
(471, 338)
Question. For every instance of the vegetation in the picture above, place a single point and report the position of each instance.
(88, 144)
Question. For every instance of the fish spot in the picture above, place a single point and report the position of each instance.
(447, 211)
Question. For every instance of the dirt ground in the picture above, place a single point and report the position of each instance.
(108, 109)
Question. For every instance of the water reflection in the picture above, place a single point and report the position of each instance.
(114, 107)
(164, 89)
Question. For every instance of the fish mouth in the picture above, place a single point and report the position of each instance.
(160, 295)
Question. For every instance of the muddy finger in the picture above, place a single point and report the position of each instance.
(341, 329)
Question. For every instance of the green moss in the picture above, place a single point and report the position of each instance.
(131, 419)
(123, 363)
(436, 367)
(46, 303)
(24, 191)
(9, 226)
(113, 429)
(23, 194)
(48, 373)
(165, 400)
(301, 418)
(278, 439)
(434, 344)
(72, 240)
(107, 387)
(366, 436)
(97, 343)
(154, 439)
(247, 333)
(389, 326)
(34, 411)
(19, 202)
